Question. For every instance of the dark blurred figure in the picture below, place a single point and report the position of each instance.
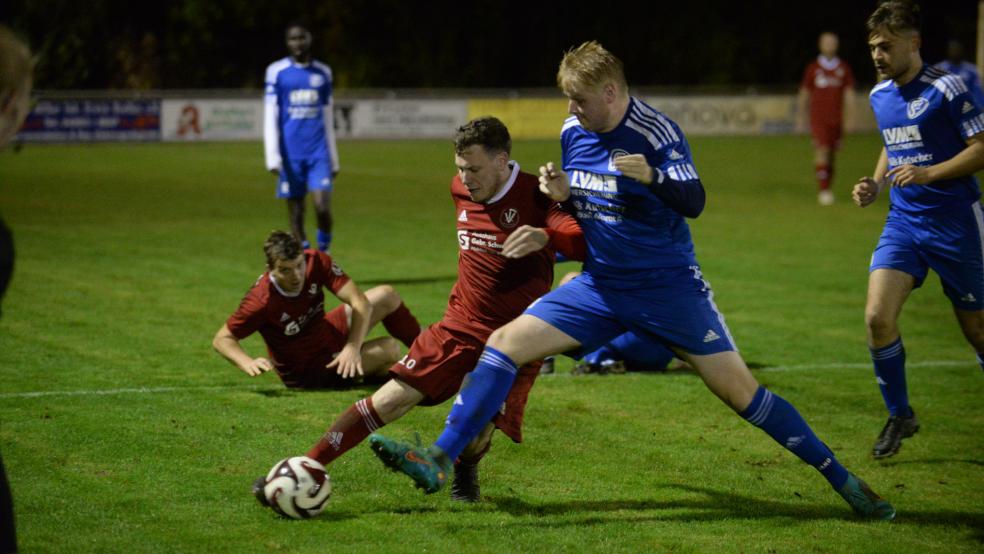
(15, 91)
(954, 63)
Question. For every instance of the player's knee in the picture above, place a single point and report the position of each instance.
(973, 330)
(503, 339)
(385, 299)
(880, 326)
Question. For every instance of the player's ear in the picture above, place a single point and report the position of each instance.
(608, 90)
(916, 41)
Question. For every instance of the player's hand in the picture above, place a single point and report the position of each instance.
(865, 191)
(635, 166)
(908, 175)
(524, 240)
(347, 363)
(554, 183)
(257, 366)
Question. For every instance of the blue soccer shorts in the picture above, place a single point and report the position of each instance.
(297, 177)
(951, 244)
(675, 308)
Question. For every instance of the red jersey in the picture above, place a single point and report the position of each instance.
(493, 290)
(826, 79)
(293, 327)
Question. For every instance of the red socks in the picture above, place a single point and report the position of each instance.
(402, 325)
(824, 173)
(348, 430)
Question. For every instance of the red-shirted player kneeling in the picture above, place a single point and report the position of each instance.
(507, 233)
(310, 348)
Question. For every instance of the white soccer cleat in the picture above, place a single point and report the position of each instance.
(825, 197)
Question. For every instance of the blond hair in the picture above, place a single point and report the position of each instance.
(16, 63)
(590, 65)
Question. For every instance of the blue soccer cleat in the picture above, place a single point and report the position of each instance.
(423, 465)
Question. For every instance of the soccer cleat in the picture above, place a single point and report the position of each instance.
(601, 367)
(866, 502)
(547, 367)
(464, 486)
(825, 197)
(258, 486)
(420, 464)
(890, 439)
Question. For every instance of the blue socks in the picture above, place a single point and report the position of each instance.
(481, 397)
(324, 240)
(780, 420)
(306, 244)
(890, 373)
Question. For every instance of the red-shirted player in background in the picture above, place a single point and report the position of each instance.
(827, 95)
(309, 348)
(507, 234)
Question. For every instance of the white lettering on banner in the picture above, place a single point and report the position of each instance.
(902, 135)
(212, 119)
(482, 242)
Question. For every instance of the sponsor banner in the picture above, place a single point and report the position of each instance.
(92, 120)
(526, 118)
(202, 119)
(399, 118)
(728, 115)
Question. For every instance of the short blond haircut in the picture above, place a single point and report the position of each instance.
(16, 63)
(590, 65)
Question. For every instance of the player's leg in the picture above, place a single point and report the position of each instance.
(388, 307)
(972, 325)
(292, 187)
(320, 184)
(378, 355)
(389, 403)
(956, 253)
(823, 169)
(464, 484)
(727, 376)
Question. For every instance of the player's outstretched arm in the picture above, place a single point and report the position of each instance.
(348, 362)
(554, 183)
(226, 344)
(969, 161)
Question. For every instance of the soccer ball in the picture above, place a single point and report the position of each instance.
(297, 488)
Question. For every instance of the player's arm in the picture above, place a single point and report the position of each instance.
(271, 125)
(329, 120)
(227, 344)
(802, 109)
(849, 103)
(348, 363)
(562, 233)
(969, 161)
(867, 189)
(685, 197)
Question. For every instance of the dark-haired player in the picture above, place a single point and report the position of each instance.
(826, 97)
(933, 134)
(299, 133)
(629, 172)
(507, 231)
(310, 348)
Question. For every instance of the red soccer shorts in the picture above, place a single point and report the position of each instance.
(437, 364)
(826, 132)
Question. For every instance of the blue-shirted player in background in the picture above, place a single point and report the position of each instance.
(954, 63)
(299, 134)
(934, 142)
(629, 174)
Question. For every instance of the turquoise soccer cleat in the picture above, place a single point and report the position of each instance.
(421, 464)
(866, 502)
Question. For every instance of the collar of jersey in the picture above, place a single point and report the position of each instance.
(828, 63)
(282, 291)
(505, 188)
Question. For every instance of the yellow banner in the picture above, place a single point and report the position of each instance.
(526, 118)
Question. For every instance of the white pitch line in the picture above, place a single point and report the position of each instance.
(152, 390)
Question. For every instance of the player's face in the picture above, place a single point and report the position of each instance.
(481, 173)
(290, 273)
(298, 42)
(591, 105)
(892, 53)
(828, 44)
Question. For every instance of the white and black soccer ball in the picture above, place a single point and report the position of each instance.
(297, 488)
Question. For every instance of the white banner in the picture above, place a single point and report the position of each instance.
(399, 118)
(211, 120)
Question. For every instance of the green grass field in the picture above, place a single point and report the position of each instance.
(122, 431)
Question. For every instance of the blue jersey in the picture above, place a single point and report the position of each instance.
(630, 232)
(925, 122)
(300, 94)
(968, 72)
